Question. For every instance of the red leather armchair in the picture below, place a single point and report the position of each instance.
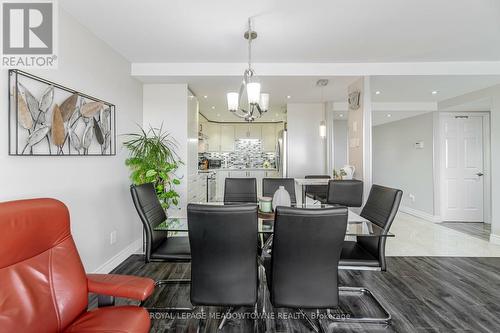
(43, 285)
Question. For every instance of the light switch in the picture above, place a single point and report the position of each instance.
(419, 145)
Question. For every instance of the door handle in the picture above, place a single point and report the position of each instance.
(480, 174)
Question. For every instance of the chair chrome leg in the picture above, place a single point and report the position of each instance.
(224, 319)
(201, 321)
(386, 320)
(309, 321)
(171, 308)
(171, 281)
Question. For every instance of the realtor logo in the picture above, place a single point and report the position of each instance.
(29, 34)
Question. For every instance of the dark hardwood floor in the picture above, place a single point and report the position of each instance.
(423, 294)
(476, 229)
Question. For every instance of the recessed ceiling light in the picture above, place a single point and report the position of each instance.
(434, 92)
(218, 114)
(389, 115)
(341, 115)
(213, 107)
(288, 97)
(377, 92)
(205, 96)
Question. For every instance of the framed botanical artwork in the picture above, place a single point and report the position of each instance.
(48, 119)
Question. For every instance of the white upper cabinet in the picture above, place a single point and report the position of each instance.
(247, 131)
(226, 138)
(222, 137)
(255, 131)
(212, 130)
(269, 137)
(241, 131)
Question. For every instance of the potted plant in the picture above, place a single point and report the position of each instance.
(153, 159)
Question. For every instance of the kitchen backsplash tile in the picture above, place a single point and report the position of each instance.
(248, 154)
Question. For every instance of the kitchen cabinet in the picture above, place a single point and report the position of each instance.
(222, 137)
(221, 176)
(226, 138)
(239, 174)
(248, 131)
(240, 132)
(255, 131)
(269, 137)
(220, 180)
(258, 175)
(212, 130)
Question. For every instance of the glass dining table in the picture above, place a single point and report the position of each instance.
(356, 225)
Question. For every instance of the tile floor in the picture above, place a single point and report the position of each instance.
(417, 237)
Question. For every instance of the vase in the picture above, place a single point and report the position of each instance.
(265, 205)
(281, 198)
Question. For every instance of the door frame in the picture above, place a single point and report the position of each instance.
(438, 156)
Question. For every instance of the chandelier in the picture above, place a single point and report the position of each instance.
(258, 103)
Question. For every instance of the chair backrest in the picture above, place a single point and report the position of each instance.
(347, 193)
(380, 208)
(271, 185)
(317, 189)
(306, 249)
(151, 213)
(242, 190)
(43, 282)
(223, 243)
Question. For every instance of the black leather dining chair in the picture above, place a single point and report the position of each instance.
(158, 246)
(240, 190)
(271, 185)
(347, 192)
(224, 255)
(302, 272)
(317, 192)
(369, 252)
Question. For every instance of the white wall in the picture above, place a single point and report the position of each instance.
(340, 145)
(495, 168)
(306, 149)
(96, 189)
(396, 162)
(168, 104)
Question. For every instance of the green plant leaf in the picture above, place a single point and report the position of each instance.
(154, 159)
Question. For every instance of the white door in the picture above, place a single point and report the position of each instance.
(462, 168)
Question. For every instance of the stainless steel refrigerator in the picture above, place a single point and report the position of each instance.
(282, 154)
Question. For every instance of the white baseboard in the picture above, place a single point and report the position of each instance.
(112, 263)
(495, 239)
(420, 214)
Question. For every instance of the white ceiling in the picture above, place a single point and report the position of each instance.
(379, 118)
(303, 89)
(419, 88)
(295, 30)
(349, 31)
